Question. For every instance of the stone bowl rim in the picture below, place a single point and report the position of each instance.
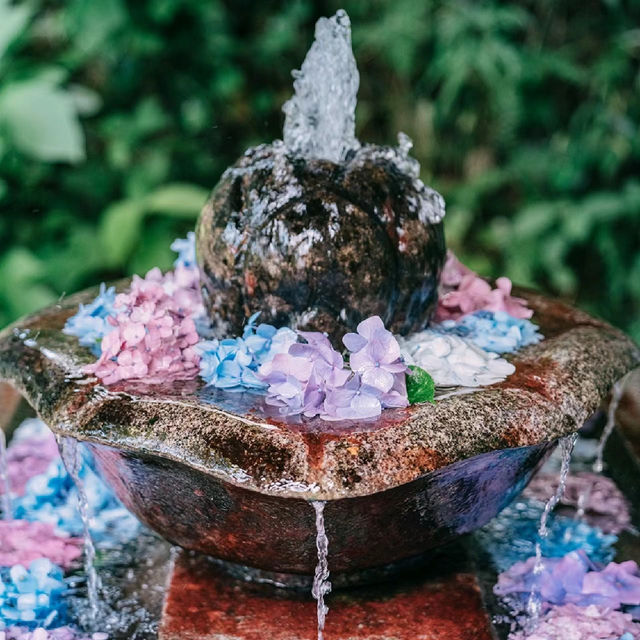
(558, 412)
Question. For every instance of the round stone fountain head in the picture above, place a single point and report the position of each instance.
(211, 471)
(318, 245)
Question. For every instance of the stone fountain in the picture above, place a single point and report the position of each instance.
(318, 232)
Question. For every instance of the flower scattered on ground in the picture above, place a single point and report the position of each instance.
(605, 505)
(28, 457)
(452, 360)
(154, 332)
(571, 622)
(495, 331)
(571, 579)
(90, 324)
(30, 595)
(40, 633)
(462, 291)
(511, 536)
(312, 378)
(233, 363)
(21, 542)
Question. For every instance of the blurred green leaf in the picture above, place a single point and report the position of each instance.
(13, 20)
(41, 121)
(179, 200)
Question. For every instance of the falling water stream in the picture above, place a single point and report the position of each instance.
(5, 485)
(321, 585)
(566, 444)
(72, 458)
(598, 464)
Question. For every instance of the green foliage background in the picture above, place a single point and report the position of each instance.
(118, 116)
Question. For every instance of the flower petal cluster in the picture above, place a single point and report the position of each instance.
(571, 622)
(90, 324)
(606, 506)
(50, 497)
(512, 535)
(21, 542)
(30, 595)
(232, 364)
(573, 579)
(28, 457)
(452, 360)
(312, 379)
(40, 633)
(153, 332)
(462, 291)
(495, 331)
(186, 250)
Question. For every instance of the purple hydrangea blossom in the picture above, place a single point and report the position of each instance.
(90, 324)
(375, 355)
(312, 378)
(572, 579)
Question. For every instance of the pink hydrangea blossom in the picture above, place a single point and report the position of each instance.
(571, 622)
(154, 331)
(462, 292)
(28, 458)
(606, 507)
(22, 541)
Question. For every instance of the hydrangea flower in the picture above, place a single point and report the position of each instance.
(298, 380)
(571, 622)
(90, 324)
(40, 633)
(154, 332)
(571, 579)
(462, 291)
(605, 505)
(452, 360)
(495, 331)
(312, 378)
(186, 250)
(511, 536)
(21, 542)
(29, 596)
(28, 457)
(232, 363)
(375, 355)
(50, 497)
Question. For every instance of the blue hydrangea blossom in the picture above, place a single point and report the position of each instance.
(31, 596)
(494, 331)
(90, 324)
(186, 250)
(232, 363)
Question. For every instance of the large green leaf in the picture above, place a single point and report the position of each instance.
(13, 20)
(177, 200)
(120, 230)
(41, 120)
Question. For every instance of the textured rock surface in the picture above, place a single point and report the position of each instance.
(211, 471)
(442, 603)
(321, 246)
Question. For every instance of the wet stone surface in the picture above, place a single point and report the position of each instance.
(320, 246)
(214, 473)
(443, 603)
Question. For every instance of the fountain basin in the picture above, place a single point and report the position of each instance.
(212, 472)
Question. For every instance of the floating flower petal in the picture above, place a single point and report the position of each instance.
(453, 361)
(495, 331)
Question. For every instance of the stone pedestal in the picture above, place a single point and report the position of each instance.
(441, 603)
